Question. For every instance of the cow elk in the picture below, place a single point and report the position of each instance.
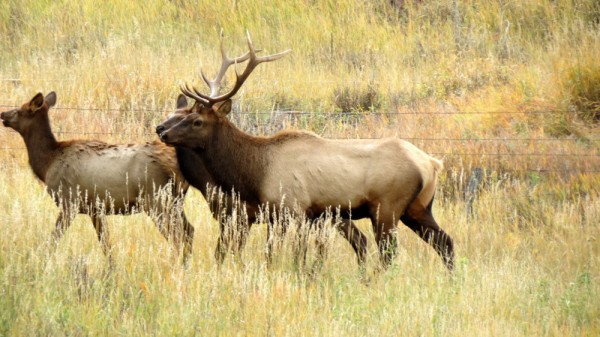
(96, 178)
(386, 180)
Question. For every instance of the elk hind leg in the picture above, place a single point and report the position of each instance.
(99, 221)
(179, 230)
(424, 225)
(176, 230)
(384, 227)
(356, 238)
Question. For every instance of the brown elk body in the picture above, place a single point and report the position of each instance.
(386, 180)
(96, 178)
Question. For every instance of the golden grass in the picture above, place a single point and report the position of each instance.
(523, 268)
(503, 74)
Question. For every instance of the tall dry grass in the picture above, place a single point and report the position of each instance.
(508, 87)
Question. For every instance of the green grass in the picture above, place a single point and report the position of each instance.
(527, 257)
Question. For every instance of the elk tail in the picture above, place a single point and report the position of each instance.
(429, 182)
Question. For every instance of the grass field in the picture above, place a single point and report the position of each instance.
(512, 88)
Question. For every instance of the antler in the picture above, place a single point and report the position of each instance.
(225, 64)
(210, 99)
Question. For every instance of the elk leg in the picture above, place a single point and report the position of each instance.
(276, 231)
(356, 238)
(301, 246)
(322, 250)
(241, 239)
(188, 237)
(243, 223)
(166, 229)
(222, 246)
(227, 236)
(234, 237)
(63, 222)
(426, 228)
(270, 242)
(182, 232)
(102, 233)
(385, 236)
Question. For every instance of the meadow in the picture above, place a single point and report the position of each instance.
(507, 94)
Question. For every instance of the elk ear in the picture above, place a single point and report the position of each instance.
(36, 102)
(222, 108)
(50, 99)
(181, 101)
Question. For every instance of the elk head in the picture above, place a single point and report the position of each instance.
(196, 125)
(195, 129)
(181, 111)
(23, 118)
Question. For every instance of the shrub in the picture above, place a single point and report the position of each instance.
(584, 89)
(349, 99)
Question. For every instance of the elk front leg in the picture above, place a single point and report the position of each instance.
(188, 237)
(224, 241)
(63, 222)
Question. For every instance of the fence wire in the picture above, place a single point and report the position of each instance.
(321, 113)
(273, 121)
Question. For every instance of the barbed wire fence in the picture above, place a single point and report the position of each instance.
(265, 123)
(470, 179)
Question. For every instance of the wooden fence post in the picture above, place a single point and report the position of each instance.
(471, 191)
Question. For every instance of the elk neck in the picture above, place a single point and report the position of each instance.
(237, 161)
(41, 146)
(193, 169)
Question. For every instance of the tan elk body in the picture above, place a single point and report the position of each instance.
(96, 178)
(386, 180)
(318, 172)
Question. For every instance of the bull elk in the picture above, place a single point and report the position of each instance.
(96, 178)
(386, 180)
(198, 176)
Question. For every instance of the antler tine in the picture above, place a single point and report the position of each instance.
(191, 93)
(226, 62)
(267, 58)
(240, 79)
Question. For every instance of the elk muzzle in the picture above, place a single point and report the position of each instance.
(5, 117)
(164, 137)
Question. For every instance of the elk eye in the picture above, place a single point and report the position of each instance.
(197, 122)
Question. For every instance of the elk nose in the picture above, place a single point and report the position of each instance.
(164, 137)
(160, 129)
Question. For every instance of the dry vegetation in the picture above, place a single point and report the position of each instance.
(509, 87)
